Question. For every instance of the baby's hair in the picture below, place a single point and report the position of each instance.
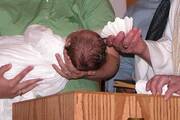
(86, 50)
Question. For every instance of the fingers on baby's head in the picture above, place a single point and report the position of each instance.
(109, 40)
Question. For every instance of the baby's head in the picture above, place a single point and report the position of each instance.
(86, 50)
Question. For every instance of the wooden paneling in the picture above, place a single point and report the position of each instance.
(98, 106)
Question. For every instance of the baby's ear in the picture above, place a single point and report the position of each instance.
(68, 42)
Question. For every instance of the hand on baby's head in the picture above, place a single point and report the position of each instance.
(86, 50)
(121, 35)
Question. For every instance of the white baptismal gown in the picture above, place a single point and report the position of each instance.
(36, 47)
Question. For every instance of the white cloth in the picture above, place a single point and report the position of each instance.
(37, 47)
(160, 53)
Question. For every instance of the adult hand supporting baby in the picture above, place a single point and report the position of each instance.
(131, 43)
(156, 84)
(67, 70)
(10, 88)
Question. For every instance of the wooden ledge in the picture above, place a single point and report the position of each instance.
(98, 106)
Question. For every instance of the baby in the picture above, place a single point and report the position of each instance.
(38, 47)
(86, 50)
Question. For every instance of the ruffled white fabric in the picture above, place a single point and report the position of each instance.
(37, 47)
(113, 28)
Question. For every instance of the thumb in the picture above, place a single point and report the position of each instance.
(91, 73)
(5, 68)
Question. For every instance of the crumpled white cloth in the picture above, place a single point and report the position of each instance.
(37, 47)
(118, 25)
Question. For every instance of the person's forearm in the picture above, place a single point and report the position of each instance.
(145, 55)
(110, 68)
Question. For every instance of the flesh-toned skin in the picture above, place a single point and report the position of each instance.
(133, 43)
(95, 44)
(14, 87)
(108, 69)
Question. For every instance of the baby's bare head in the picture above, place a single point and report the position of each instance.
(86, 50)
